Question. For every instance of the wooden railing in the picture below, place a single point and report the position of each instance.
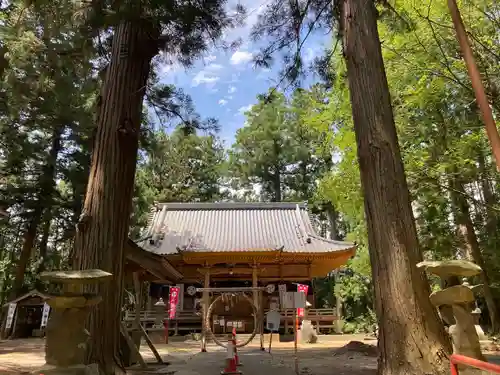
(152, 320)
(190, 320)
(322, 319)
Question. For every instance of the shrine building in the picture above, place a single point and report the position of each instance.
(238, 244)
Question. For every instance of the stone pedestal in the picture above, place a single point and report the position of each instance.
(66, 341)
(459, 298)
(66, 336)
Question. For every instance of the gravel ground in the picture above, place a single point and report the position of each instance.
(339, 355)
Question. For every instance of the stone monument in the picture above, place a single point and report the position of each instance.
(463, 333)
(307, 332)
(66, 336)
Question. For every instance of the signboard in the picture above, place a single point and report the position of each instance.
(173, 301)
(181, 296)
(10, 315)
(45, 315)
(295, 300)
(273, 320)
(274, 303)
(282, 291)
(301, 288)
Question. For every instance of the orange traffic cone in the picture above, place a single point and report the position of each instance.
(230, 368)
(236, 357)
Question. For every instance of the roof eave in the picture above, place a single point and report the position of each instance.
(33, 293)
(157, 264)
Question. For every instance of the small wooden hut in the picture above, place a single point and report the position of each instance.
(26, 320)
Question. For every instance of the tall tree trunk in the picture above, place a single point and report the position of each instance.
(47, 221)
(7, 281)
(103, 226)
(45, 199)
(412, 339)
(276, 185)
(28, 243)
(489, 198)
(331, 214)
(471, 247)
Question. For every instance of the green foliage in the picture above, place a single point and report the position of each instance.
(177, 167)
(277, 148)
(440, 132)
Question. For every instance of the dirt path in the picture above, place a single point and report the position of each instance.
(331, 355)
(23, 356)
(312, 361)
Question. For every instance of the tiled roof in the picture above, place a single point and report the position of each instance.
(235, 227)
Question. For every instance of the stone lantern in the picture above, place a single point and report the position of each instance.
(66, 336)
(460, 297)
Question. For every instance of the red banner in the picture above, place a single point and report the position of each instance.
(302, 288)
(173, 301)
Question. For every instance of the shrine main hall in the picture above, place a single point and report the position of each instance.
(235, 245)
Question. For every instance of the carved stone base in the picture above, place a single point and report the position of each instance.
(66, 340)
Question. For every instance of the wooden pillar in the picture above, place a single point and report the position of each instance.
(259, 304)
(138, 302)
(255, 285)
(149, 304)
(205, 306)
(309, 276)
(338, 307)
(261, 319)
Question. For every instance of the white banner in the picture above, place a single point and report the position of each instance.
(45, 315)
(10, 315)
(295, 300)
(282, 292)
(180, 307)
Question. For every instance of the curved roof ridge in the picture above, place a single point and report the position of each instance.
(315, 235)
(232, 205)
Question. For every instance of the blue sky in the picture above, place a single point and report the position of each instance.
(224, 84)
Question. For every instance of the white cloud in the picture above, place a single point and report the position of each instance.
(210, 58)
(241, 57)
(204, 77)
(214, 67)
(231, 90)
(244, 109)
(223, 102)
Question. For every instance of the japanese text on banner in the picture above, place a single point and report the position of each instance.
(173, 301)
(302, 288)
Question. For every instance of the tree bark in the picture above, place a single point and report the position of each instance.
(489, 198)
(332, 215)
(47, 221)
(103, 226)
(412, 339)
(45, 199)
(24, 258)
(471, 247)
